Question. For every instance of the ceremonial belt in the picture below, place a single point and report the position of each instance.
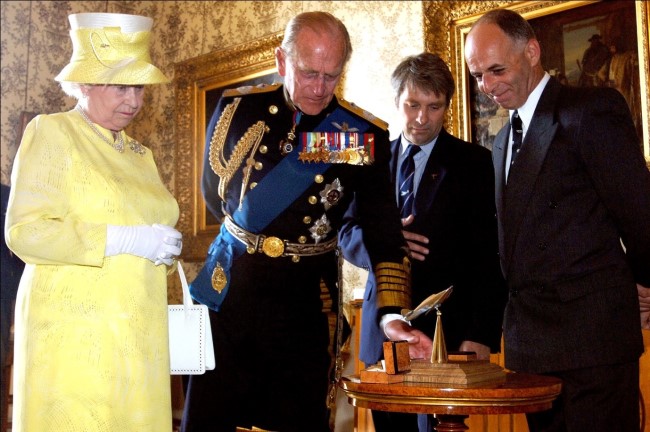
(275, 247)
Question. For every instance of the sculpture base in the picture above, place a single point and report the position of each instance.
(454, 372)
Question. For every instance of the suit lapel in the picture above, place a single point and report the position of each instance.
(499, 152)
(395, 147)
(523, 174)
(499, 147)
(433, 175)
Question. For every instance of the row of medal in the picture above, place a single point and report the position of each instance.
(337, 147)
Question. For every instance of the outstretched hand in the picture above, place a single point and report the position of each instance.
(420, 345)
(482, 351)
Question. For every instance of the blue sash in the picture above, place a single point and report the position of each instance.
(285, 183)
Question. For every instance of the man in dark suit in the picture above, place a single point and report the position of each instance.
(574, 236)
(449, 225)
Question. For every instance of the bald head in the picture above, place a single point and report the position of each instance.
(503, 55)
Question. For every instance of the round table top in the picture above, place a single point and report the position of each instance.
(517, 393)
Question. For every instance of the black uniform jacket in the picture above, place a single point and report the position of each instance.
(322, 205)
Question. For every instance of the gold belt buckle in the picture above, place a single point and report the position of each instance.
(273, 247)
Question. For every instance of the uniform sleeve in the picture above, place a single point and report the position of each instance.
(382, 231)
(376, 209)
(38, 227)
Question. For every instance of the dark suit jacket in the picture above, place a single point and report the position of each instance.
(454, 208)
(579, 186)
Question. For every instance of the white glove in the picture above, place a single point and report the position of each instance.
(160, 244)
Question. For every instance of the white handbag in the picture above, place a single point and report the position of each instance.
(191, 351)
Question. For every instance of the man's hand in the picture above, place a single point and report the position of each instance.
(420, 345)
(415, 241)
(644, 302)
(482, 351)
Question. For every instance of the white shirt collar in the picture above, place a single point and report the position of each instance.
(425, 148)
(527, 110)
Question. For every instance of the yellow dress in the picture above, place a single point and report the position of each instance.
(91, 340)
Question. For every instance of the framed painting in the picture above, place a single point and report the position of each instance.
(199, 83)
(446, 24)
(600, 43)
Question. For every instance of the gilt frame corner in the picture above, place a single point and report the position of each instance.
(194, 80)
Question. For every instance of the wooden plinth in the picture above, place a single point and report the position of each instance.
(455, 373)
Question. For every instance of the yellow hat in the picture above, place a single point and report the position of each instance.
(109, 48)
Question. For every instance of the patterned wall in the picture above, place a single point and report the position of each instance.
(36, 45)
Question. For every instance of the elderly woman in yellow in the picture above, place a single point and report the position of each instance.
(93, 222)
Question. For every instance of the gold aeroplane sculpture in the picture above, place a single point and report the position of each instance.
(439, 351)
(431, 302)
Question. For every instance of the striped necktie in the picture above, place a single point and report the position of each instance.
(406, 186)
(517, 135)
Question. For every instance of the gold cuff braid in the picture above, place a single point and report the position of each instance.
(394, 284)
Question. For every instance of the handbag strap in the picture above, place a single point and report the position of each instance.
(187, 298)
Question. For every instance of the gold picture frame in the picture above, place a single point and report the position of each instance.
(198, 83)
(446, 25)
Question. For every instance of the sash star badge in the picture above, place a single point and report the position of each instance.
(320, 229)
(331, 195)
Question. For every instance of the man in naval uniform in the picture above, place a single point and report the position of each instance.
(281, 166)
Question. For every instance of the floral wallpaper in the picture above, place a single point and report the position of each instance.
(36, 46)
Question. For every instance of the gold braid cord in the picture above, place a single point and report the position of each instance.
(225, 169)
(394, 284)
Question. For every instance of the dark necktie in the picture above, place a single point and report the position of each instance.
(406, 185)
(517, 135)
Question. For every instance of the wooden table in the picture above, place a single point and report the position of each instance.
(519, 393)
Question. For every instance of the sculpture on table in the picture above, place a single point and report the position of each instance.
(434, 301)
(458, 369)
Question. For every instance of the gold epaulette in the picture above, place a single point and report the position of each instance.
(350, 106)
(394, 284)
(245, 90)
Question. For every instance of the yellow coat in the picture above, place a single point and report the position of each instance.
(91, 342)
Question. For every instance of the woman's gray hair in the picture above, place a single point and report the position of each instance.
(320, 22)
(72, 89)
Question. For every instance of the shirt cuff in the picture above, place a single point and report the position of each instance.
(388, 318)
